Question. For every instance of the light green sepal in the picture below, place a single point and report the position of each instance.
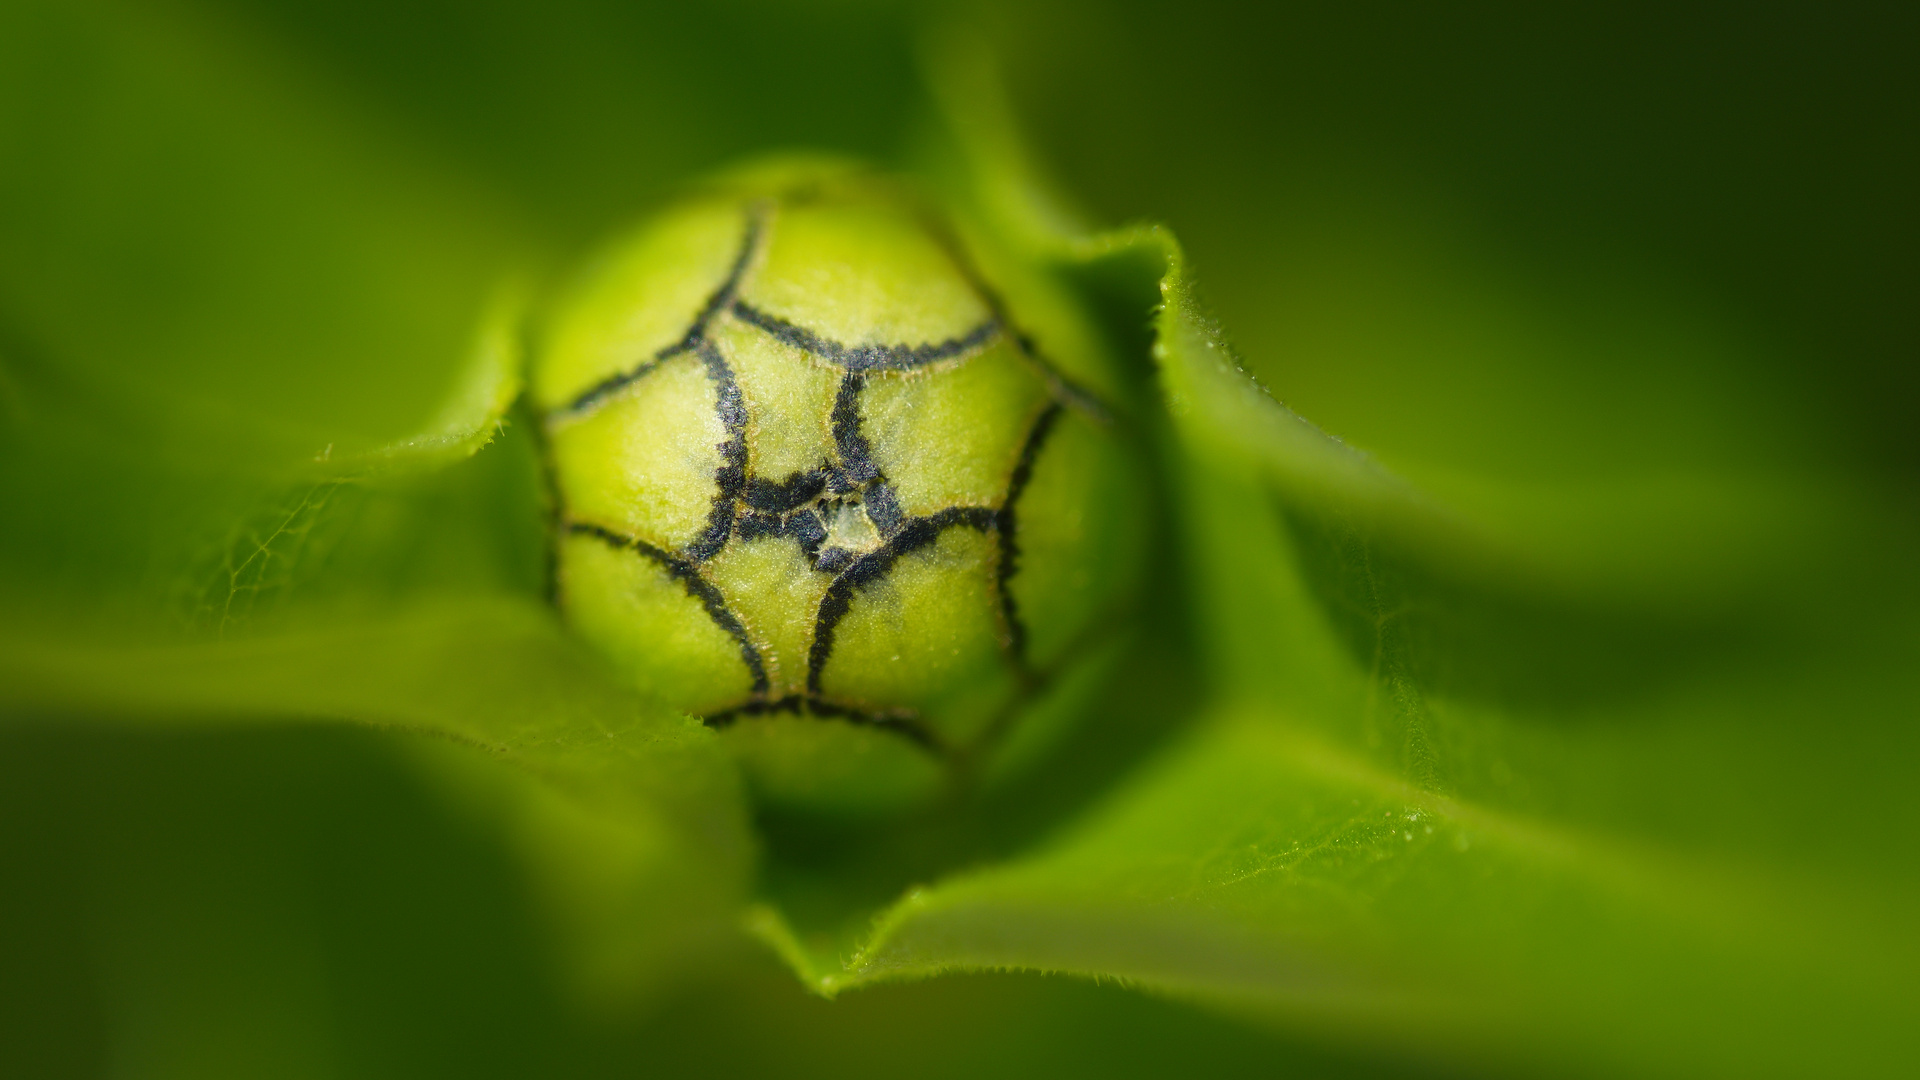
(650, 626)
(819, 484)
(829, 765)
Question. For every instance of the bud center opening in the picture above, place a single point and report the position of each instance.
(848, 526)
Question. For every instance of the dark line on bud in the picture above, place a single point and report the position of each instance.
(731, 476)
(883, 509)
(786, 495)
(866, 357)
(697, 587)
(785, 508)
(607, 386)
(857, 471)
(1063, 388)
(834, 559)
(856, 454)
(905, 724)
(1009, 544)
(802, 527)
(716, 302)
(913, 534)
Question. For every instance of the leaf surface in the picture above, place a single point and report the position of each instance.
(1503, 778)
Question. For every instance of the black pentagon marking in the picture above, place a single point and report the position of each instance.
(753, 507)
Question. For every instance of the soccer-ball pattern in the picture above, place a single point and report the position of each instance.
(808, 465)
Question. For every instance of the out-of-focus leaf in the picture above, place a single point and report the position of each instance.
(1622, 877)
(1537, 762)
(224, 280)
(1002, 1024)
(204, 229)
(633, 818)
(1269, 871)
(1502, 778)
(289, 900)
(587, 113)
(301, 901)
(397, 522)
(230, 303)
(399, 587)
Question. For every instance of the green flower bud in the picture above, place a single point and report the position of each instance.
(823, 485)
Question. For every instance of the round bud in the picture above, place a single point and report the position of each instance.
(826, 486)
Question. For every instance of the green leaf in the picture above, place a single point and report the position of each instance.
(262, 470)
(225, 279)
(1353, 848)
(1592, 762)
(1264, 870)
(204, 229)
(632, 819)
(1498, 777)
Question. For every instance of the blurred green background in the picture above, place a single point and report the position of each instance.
(1570, 250)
